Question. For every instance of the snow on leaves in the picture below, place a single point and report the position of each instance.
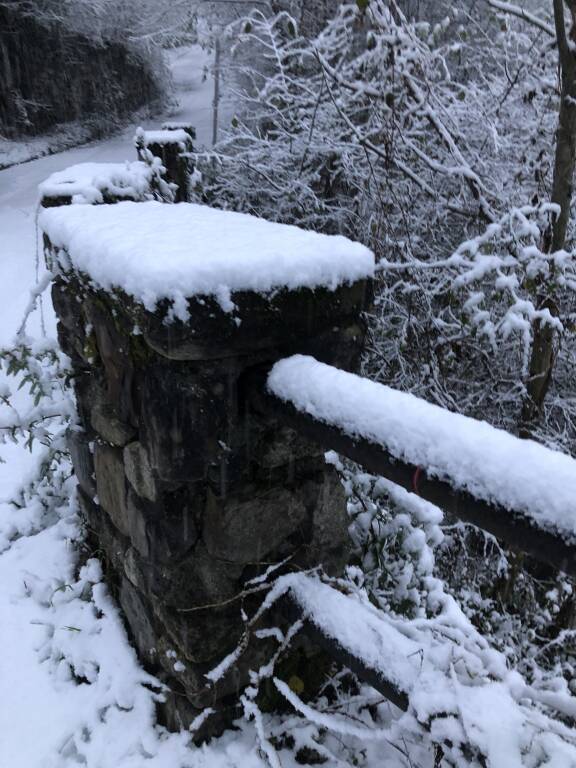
(499, 272)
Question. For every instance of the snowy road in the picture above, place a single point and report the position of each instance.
(19, 251)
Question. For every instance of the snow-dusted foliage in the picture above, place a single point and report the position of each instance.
(411, 138)
(404, 550)
(37, 418)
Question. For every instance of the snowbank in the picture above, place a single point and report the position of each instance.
(154, 251)
(89, 182)
(472, 455)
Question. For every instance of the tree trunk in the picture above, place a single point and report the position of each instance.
(545, 340)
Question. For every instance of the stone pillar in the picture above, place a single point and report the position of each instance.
(173, 146)
(187, 493)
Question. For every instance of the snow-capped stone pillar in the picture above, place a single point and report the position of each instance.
(188, 495)
(173, 146)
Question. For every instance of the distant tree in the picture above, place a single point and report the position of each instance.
(126, 21)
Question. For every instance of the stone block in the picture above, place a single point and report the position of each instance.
(281, 321)
(85, 384)
(136, 571)
(118, 500)
(202, 636)
(197, 580)
(281, 446)
(248, 530)
(177, 713)
(107, 424)
(329, 545)
(111, 544)
(183, 423)
(136, 524)
(173, 528)
(139, 618)
(111, 483)
(82, 460)
(139, 472)
(67, 306)
(340, 345)
(112, 338)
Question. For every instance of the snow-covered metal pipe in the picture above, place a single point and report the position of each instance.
(518, 490)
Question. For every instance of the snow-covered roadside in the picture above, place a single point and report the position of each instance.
(194, 90)
(54, 626)
(61, 138)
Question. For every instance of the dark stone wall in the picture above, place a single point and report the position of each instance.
(187, 490)
(50, 76)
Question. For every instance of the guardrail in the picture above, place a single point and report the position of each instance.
(513, 527)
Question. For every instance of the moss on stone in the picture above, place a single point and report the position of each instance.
(139, 351)
(90, 348)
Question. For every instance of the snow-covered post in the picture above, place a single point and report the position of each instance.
(193, 500)
(96, 183)
(173, 146)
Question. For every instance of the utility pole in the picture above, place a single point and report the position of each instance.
(216, 99)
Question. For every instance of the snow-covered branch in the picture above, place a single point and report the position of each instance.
(525, 15)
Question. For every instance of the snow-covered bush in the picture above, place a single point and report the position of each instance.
(412, 138)
(39, 420)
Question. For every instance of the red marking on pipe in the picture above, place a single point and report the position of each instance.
(416, 480)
